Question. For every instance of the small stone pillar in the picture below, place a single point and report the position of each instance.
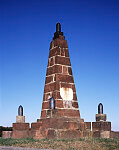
(101, 128)
(20, 118)
(20, 128)
(100, 116)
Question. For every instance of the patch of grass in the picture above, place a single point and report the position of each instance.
(65, 144)
(110, 144)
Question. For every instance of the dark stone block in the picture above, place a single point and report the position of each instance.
(96, 134)
(87, 125)
(69, 70)
(104, 126)
(114, 134)
(20, 126)
(51, 134)
(62, 60)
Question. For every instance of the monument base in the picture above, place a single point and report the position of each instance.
(60, 128)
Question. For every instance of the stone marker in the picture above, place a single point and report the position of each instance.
(20, 128)
(100, 116)
(101, 128)
(20, 118)
(100, 108)
(60, 116)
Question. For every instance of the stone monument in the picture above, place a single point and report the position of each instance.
(101, 128)
(60, 116)
(20, 118)
(20, 128)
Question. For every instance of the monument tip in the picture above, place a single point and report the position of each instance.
(58, 31)
(58, 27)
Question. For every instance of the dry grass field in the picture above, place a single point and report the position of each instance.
(77, 144)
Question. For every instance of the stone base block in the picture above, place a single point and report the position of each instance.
(20, 119)
(20, 134)
(58, 128)
(20, 126)
(114, 134)
(101, 126)
(20, 130)
(36, 125)
(63, 123)
(69, 134)
(100, 117)
(7, 134)
(105, 134)
(61, 134)
(101, 134)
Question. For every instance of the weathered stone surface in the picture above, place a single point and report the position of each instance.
(66, 85)
(59, 104)
(62, 60)
(74, 96)
(114, 134)
(43, 113)
(36, 125)
(51, 61)
(54, 52)
(62, 52)
(65, 70)
(7, 134)
(70, 70)
(86, 133)
(73, 87)
(68, 113)
(96, 134)
(54, 69)
(101, 134)
(45, 105)
(75, 104)
(49, 79)
(20, 119)
(51, 134)
(60, 42)
(64, 78)
(69, 134)
(51, 113)
(105, 126)
(87, 125)
(66, 53)
(104, 134)
(20, 134)
(100, 117)
(20, 130)
(59, 123)
(20, 126)
(52, 87)
(56, 95)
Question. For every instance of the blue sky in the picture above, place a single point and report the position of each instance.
(91, 28)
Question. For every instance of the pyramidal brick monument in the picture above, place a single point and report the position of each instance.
(60, 112)
(59, 83)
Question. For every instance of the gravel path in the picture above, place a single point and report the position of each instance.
(19, 148)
